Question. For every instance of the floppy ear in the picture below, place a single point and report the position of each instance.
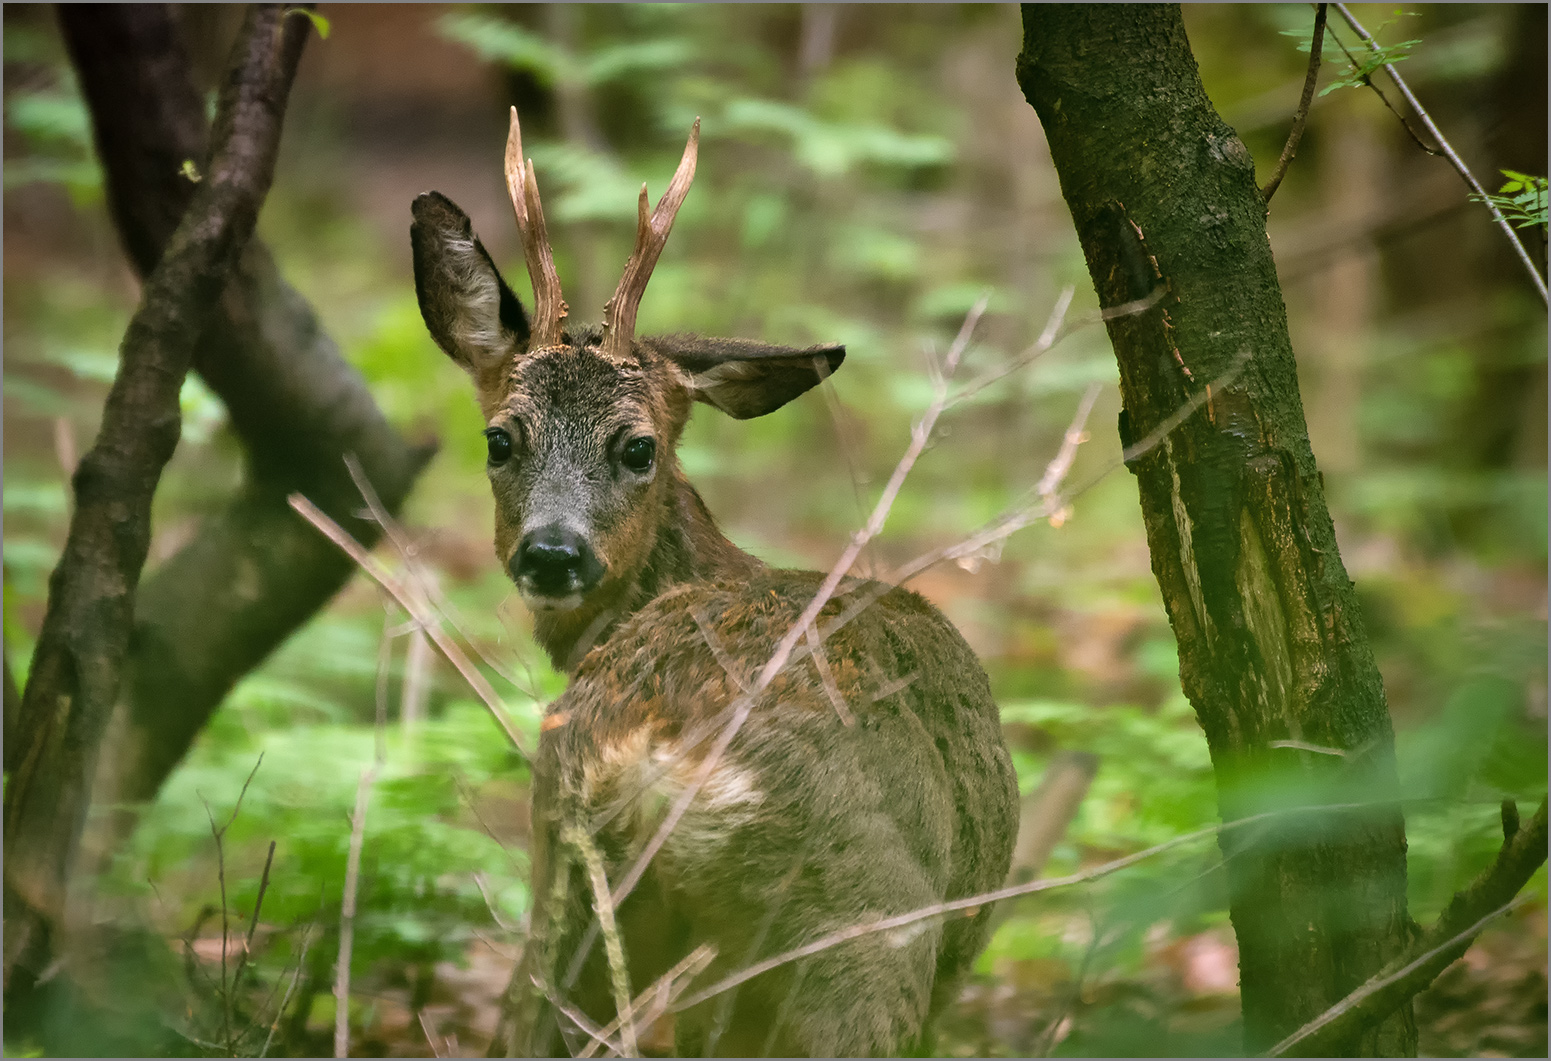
(467, 307)
(744, 378)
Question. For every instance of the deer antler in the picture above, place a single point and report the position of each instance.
(549, 309)
(650, 237)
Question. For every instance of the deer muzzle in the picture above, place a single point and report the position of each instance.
(554, 567)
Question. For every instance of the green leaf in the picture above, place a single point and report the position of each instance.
(509, 43)
(618, 61)
(319, 23)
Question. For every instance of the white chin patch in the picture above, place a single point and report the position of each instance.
(543, 602)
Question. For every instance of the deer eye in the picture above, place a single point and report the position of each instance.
(500, 444)
(639, 453)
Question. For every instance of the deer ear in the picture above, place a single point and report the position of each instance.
(744, 378)
(467, 307)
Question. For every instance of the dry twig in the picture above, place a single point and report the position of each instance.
(413, 603)
(972, 904)
(613, 945)
(662, 994)
(219, 834)
(421, 580)
(363, 791)
(301, 962)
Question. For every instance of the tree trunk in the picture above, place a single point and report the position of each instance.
(254, 572)
(1273, 655)
(73, 683)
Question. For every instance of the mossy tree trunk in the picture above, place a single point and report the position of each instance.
(1273, 655)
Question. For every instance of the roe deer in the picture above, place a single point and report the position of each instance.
(868, 778)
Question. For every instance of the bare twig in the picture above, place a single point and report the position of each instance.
(484, 892)
(258, 904)
(1300, 119)
(713, 643)
(468, 799)
(219, 834)
(972, 904)
(613, 946)
(576, 1017)
(412, 603)
(662, 994)
(347, 904)
(1049, 486)
(1490, 895)
(1451, 155)
(827, 679)
(363, 791)
(301, 962)
(421, 580)
(430, 1036)
(1054, 331)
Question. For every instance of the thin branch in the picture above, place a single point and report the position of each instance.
(301, 962)
(971, 905)
(484, 892)
(1451, 155)
(412, 603)
(467, 794)
(576, 1017)
(662, 994)
(1301, 118)
(613, 946)
(347, 904)
(827, 679)
(1054, 331)
(1367, 79)
(219, 834)
(430, 1036)
(421, 580)
(363, 791)
(1049, 486)
(1490, 895)
(258, 904)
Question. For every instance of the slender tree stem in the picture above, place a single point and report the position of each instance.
(1301, 118)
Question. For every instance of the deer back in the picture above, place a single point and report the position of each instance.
(807, 825)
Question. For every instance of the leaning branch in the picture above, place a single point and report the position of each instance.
(1488, 896)
(1451, 155)
(1301, 118)
(294, 402)
(74, 680)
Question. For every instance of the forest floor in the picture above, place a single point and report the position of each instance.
(1183, 1002)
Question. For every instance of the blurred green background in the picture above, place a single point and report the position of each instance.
(866, 173)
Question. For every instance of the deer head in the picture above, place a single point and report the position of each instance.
(593, 516)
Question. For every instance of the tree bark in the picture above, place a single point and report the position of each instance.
(254, 572)
(1273, 655)
(74, 679)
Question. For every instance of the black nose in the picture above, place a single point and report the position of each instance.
(556, 562)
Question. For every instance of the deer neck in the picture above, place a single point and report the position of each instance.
(688, 548)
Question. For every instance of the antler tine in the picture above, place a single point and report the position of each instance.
(549, 309)
(650, 237)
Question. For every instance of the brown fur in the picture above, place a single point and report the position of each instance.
(808, 824)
